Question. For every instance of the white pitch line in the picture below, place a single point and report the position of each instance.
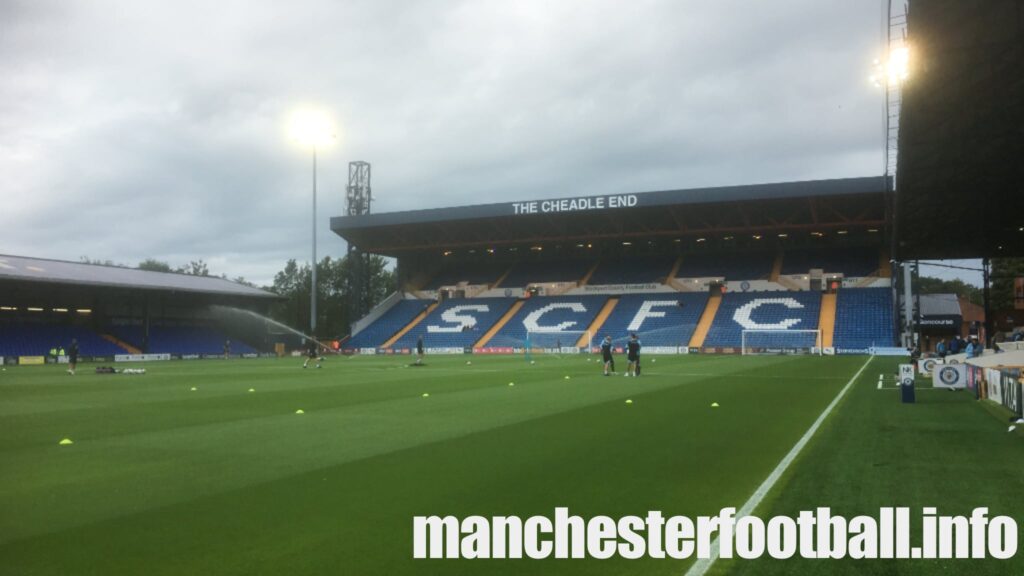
(879, 384)
(701, 566)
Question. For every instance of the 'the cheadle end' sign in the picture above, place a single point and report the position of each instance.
(575, 204)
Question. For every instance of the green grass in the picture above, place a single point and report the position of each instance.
(165, 480)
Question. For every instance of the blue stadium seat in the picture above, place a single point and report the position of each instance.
(181, 340)
(570, 313)
(764, 310)
(442, 328)
(388, 324)
(31, 339)
(864, 318)
(679, 312)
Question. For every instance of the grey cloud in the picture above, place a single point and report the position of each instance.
(156, 129)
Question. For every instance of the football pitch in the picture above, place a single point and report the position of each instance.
(207, 467)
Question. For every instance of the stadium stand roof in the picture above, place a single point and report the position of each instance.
(960, 174)
(810, 205)
(39, 270)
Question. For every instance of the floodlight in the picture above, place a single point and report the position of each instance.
(311, 128)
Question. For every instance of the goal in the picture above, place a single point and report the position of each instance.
(781, 342)
(563, 342)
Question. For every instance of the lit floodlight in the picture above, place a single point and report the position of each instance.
(311, 128)
(894, 71)
(898, 67)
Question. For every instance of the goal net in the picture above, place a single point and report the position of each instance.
(563, 342)
(781, 342)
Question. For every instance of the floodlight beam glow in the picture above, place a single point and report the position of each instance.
(311, 128)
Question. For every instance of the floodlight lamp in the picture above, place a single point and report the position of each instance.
(311, 128)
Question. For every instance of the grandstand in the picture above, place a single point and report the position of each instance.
(688, 270)
(116, 312)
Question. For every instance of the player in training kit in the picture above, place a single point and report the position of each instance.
(419, 350)
(72, 356)
(633, 355)
(606, 354)
(312, 353)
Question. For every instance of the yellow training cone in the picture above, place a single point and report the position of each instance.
(193, 389)
(629, 401)
(426, 394)
(252, 389)
(714, 404)
(300, 411)
(66, 442)
(511, 383)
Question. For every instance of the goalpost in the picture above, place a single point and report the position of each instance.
(562, 342)
(781, 342)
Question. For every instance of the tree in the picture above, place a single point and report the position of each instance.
(332, 278)
(154, 265)
(97, 262)
(929, 285)
(195, 268)
(1004, 270)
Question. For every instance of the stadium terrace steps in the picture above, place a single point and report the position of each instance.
(412, 324)
(827, 319)
(741, 311)
(497, 284)
(884, 265)
(706, 319)
(113, 340)
(864, 318)
(387, 324)
(661, 319)
(549, 315)
(455, 324)
(670, 279)
(599, 321)
(509, 314)
(776, 267)
(590, 273)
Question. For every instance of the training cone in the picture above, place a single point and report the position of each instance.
(1012, 428)
(629, 401)
(426, 394)
(511, 383)
(469, 363)
(193, 389)
(566, 376)
(66, 442)
(300, 411)
(714, 404)
(252, 389)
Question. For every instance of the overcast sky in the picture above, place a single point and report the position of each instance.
(138, 129)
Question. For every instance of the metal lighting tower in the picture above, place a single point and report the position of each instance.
(889, 75)
(358, 197)
(314, 130)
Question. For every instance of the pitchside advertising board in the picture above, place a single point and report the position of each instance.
(927, 365)
(950, 376)
(907, 375)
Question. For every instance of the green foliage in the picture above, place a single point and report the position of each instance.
(333, 276)
(929, 285)
(195, 268)
(154, 265)
(1004, 270)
